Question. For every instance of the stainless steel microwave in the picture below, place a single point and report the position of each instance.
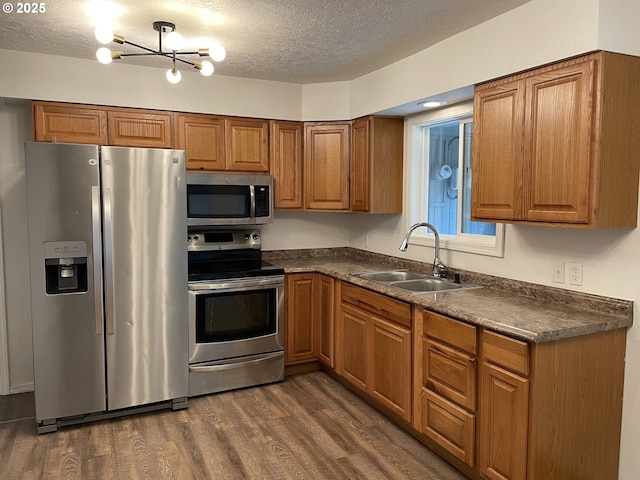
(227, 199)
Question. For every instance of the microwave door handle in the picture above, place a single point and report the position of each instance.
(252, 195)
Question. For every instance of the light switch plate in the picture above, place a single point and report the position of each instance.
(558, 272)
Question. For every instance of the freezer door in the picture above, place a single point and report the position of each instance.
(145, 232)
(63, 205)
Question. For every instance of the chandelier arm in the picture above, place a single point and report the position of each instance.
(127, 42)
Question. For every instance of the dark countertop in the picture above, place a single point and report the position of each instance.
(525, 311)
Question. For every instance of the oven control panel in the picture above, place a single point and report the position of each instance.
(224, 239)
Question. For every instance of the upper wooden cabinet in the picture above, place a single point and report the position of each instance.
(247, 144)
(553, 145)
(286, 163)
(128, 127)
(326, 165)
(63, 122)
(202, 137)
(376, 165)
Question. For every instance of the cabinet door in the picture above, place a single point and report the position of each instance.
(247, 144)
(326, 166)
(202, 137)
(60, 122)
(325, 323)
(449, 425)
(498, 140)
(355, 346)
(359, 176)
(140, 128)
(559, 126)
(286, 163)
(300, 318)
(503, 407)
(390, 352)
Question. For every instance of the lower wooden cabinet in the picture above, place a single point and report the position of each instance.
(300, 336)
(374, 348)
(504, 402)
(309, 318)
(447, 388)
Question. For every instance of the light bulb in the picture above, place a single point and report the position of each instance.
(104, 55)
(104, 34)
(174, 41)
(173, 75)
(217, 52)
(207, 68)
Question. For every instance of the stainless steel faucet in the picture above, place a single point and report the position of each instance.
(439, 268)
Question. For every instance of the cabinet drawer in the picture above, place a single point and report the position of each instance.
(450, 373)
(394, 310)
(452, 332)
(506, 352)
(449, 425)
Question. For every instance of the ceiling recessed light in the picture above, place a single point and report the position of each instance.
(432, 104)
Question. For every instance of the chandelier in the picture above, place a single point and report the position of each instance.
(173, 40)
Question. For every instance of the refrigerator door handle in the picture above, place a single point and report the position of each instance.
(97, 257)
(108, 261)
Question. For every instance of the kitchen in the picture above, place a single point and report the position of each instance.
(570, 27)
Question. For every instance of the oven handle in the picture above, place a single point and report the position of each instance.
(235, 363)
(219, 286)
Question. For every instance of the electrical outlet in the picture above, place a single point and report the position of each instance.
(558, 272)
(575, 274)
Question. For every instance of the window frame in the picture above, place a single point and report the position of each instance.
(417, 186)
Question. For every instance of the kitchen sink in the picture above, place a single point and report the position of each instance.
(391, 276)
(414, 282)
(426, 285)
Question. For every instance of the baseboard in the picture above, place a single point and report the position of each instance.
(25, 387)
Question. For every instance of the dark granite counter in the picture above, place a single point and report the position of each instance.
(526, 311)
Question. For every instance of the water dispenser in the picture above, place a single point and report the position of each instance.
(65, 267)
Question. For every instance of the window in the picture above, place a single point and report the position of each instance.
(440, 183)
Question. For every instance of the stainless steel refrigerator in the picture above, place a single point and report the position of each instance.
(108, 266)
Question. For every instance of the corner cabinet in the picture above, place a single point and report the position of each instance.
(376, 165)
(309, 319)
(326, 166)
(552, 145)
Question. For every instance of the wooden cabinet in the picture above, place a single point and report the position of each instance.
(326, 166)
(247, 144)
(376, 165)
(325, 309)
(300, 336)
(128, 127)
(504, 408)
(375, 347)
(63, 122)
(286, 163)
(551, 145)
(202, 138)
(447, 384)
(309, 332)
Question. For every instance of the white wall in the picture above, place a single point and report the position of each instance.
(537, 32)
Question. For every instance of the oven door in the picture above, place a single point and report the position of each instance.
(235, 317)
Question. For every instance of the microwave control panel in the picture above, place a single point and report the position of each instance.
(262, 200)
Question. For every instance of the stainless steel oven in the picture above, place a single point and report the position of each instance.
(236, 312)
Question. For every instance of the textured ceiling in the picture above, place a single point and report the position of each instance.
(299, 41)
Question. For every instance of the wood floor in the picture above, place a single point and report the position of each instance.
(308, 427)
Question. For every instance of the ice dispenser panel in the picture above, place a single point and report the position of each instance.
(65, 266)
